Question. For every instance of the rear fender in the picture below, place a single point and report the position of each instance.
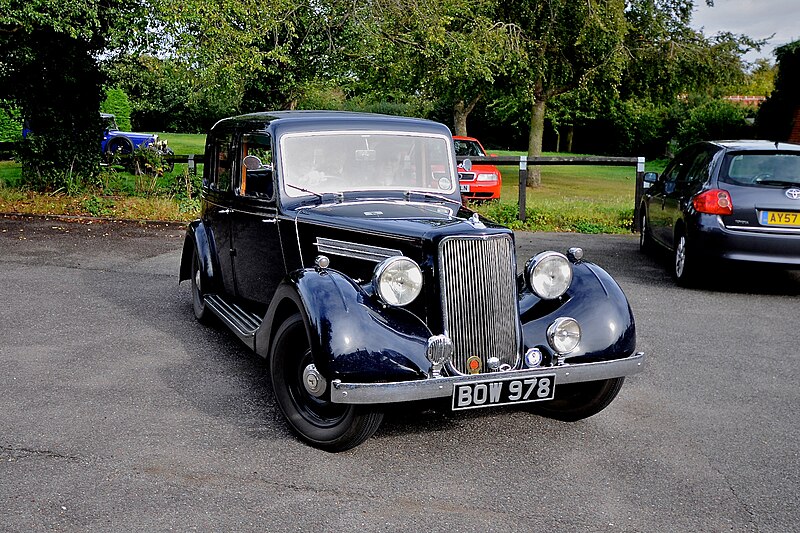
(197, 239)
(353, 337)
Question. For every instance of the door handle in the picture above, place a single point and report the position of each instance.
(269, 220)
(225, 211)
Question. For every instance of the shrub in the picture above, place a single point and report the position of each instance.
(117, 103)
(714, 120)
(10, 123)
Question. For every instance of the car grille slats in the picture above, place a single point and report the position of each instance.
(477, 279)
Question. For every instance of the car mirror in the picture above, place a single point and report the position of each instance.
(466, 165)
(650, 177)
(251, 162)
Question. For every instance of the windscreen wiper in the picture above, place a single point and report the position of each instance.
(318, 195)
(408, 195)
(336, 197)
(777, 182)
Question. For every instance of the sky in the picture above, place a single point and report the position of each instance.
(756, 18)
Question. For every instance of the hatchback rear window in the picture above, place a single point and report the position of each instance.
(762, 169)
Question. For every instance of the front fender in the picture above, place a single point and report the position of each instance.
(196, 239)
(353, 337)
(597, 302)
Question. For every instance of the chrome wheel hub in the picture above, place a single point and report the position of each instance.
(313, 381)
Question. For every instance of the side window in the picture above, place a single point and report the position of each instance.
(676, 171)
(700, 168)
(255, 177)
(223, 157)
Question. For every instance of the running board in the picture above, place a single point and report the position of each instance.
(243, 323)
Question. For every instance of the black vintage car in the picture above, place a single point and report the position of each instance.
(336, 246)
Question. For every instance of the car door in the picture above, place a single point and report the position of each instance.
(662, 207)
(219, 200)
(257, 254)
(687, 185)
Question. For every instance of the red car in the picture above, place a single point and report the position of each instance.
(482, 181)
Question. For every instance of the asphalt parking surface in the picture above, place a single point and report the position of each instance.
(120, 412)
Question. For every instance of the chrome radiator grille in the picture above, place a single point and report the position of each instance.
(479, 300)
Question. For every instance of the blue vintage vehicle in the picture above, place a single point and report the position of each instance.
(336, 246)
(117, 142)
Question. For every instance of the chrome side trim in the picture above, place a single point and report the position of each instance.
(425, 389)
(762, 229)
(355, 250)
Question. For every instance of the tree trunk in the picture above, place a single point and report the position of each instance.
(460, 118)
(461, 111)
(570, 135)
(535, 139)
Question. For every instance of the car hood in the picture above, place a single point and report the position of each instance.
(479, 169)
(405, 220)
(133, 136)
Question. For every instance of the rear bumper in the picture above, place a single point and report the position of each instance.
(778, 246)
(406, 391)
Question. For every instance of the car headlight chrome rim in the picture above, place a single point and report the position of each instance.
(397, 280)
(549, 274)
(564, 335)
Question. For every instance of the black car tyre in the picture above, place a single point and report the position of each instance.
(577, 401)
(317, 420)
(683, 261)
(645, 237)
(201, 312)
(118, 146)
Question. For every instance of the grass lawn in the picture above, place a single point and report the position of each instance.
(588, 199)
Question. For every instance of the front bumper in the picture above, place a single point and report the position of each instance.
(406, 391)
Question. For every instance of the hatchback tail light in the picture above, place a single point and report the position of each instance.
(713, 202)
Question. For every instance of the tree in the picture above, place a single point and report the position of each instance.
(452, 51)
(776, 115)
(49, 69)
(563, 46)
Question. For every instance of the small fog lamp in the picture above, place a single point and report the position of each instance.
(564, 335)
(439, 351)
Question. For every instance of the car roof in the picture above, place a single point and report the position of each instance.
(464, 138)
(744, 145)
(303, 121)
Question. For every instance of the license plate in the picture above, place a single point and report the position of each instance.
(464, 188)
(780, 218)
(489, 393)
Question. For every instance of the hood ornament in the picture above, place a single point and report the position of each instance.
(793, 193)
(476, 221)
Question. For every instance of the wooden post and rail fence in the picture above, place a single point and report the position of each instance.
(525, 161)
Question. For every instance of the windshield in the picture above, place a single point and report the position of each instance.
(468, 148)
(110, 122)
(364, 161)
(762, 169)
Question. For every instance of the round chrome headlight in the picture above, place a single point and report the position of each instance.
(564, 335)
(397, 280)
(549, 274)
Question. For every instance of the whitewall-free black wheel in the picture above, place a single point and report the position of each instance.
(579, 400)
(304, 398)
(201, 312)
